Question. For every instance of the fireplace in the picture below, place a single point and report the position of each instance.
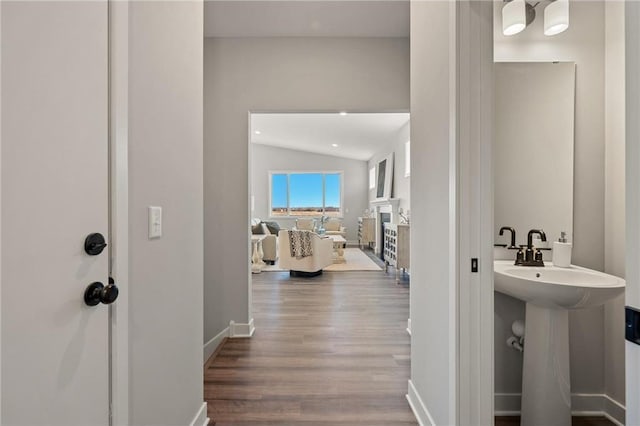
(382, 219)
(384, 210)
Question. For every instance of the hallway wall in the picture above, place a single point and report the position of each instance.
(165, 169)
(275, 74)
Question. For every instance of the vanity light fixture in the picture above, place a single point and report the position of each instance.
(518, 14)
(556, 17)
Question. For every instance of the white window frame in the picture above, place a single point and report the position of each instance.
(372, 178)
(293, 172)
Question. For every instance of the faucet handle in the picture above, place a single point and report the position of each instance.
(538, 256)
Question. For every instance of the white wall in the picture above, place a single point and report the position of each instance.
(268, 158)
(401, 183)
(275, 74)
(432, 378)
(451, 190)
(165, 160)
(584, 44)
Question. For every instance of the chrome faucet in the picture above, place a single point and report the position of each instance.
(531, 257)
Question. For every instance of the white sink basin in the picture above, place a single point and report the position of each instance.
(549, 292)
(553, 287)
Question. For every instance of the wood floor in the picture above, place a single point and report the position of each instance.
(329, 350)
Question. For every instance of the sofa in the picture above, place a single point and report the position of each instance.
(305, 224)
(334, 227)
(307, 266)
(270, 242)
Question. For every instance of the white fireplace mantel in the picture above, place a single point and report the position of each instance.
(383, 205)
(386, 205)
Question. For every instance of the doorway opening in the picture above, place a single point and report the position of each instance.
(346, 325)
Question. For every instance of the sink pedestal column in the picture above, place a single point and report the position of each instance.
(546, 380)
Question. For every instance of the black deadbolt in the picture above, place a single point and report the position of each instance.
(94, 244)
(97, 293)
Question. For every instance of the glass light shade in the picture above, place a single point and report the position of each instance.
(556, 17)
(514, 17)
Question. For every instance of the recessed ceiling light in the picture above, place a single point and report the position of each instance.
(343, 112)
(335, 145)
(257, 132)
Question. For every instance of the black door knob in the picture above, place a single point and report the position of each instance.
(99, 293)
(94, 244)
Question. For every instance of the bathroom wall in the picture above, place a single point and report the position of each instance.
(400, 181)
(584, 44)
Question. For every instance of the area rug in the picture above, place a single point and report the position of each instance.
(356, 260)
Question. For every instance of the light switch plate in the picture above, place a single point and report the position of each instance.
(155, 222)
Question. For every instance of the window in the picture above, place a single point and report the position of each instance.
(407, 159)
(372, 178)
(306, 194)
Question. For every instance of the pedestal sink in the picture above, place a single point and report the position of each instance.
(549, 293)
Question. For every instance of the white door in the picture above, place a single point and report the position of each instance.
(54, 165)
(632, 170)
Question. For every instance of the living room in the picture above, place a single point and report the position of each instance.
(338, 175)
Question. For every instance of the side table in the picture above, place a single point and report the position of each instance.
(256, 259)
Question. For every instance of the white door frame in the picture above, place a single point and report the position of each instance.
(473, 31)
(0, 208)
(452, 97)
(119, 206)
(632, 159)
(250, 327)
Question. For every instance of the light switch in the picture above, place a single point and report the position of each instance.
(155, 222)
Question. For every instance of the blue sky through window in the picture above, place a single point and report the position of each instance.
(279, 191)
(332, 190)
(305, 191)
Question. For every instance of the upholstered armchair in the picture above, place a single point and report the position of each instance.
(334, 227)
(305, 224)
(307, 266)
